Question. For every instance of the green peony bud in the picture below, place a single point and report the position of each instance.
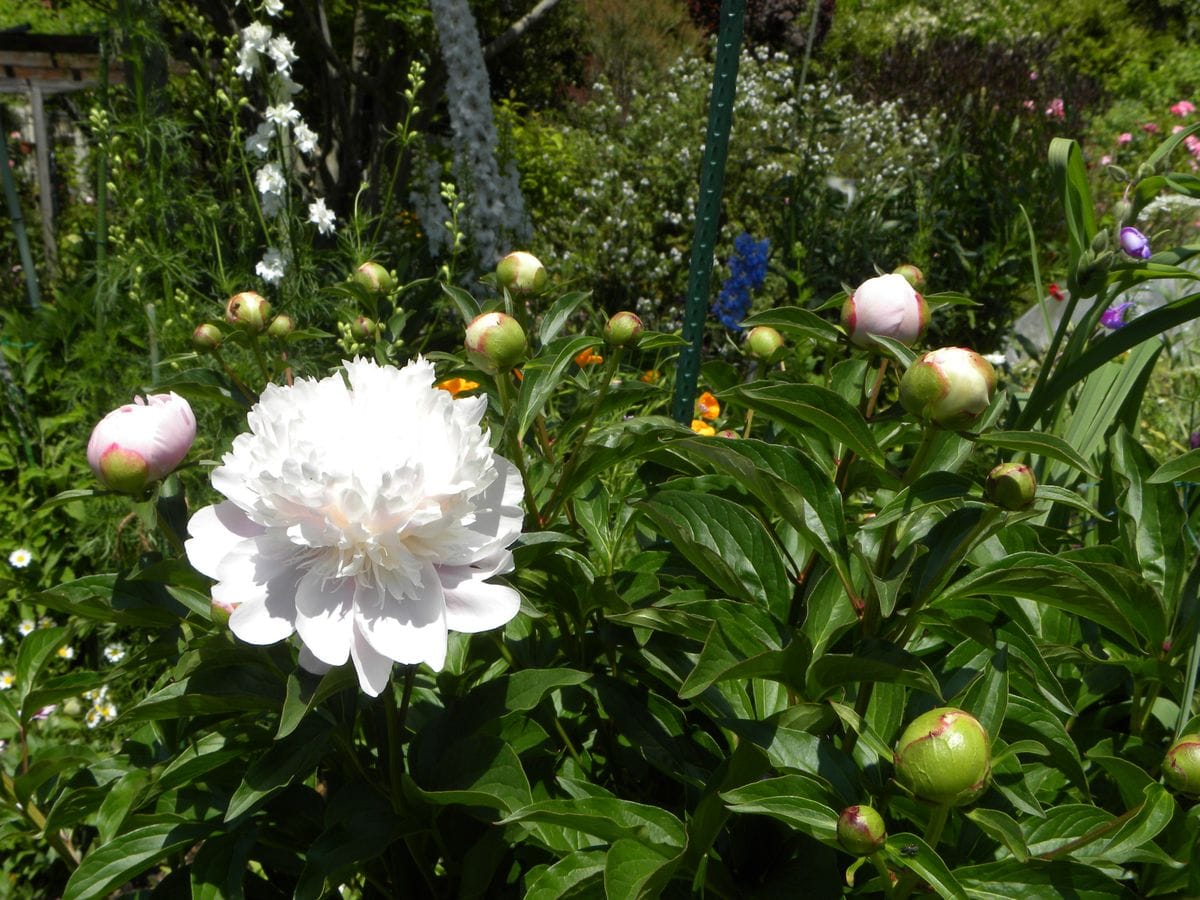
(950, 387)
(860, 830)
(374, 277)
(495, 342)
(281, 326)
(763, 342)
(1181, 768)
(521, 272)
(363, 328)
(911, 274)
(944, 757)
(207, 338)
(248, 310)
(623, 329)
(1011, 486)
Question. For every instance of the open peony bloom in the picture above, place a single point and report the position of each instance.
(365, 514)
(886, 305)
(141, 442)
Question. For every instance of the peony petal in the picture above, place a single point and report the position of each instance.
(215, 531)
(499, 517)
(324, 616)
(374, 669)
(259, 577)
(310, 663)
(473, 605)
(410, 629)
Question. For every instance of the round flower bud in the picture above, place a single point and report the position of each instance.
(729, 433)
(623, 329)
(944, 756)
(950, 387)
(362, 328)
(495, 342)
(374, 278)
(281, 326)
(141, 442)
(248, 310)
(911, 274)
(1181, 768)
(860, 830)
(206, 337)
(1134, 243)
(763, 342)
(1011, 486)
(886, 305)
(521, 272)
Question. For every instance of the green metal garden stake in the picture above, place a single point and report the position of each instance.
(708, 210)
(14, 211)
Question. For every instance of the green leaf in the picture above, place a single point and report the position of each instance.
(987, 696)
(633, 870)
(801, 407)
(609, 819)
(903, 356)
(111, 865)
(801, 802)
(797, 323)
(1011, 879)
(1030, 720)
(872, 661)
(558, 314)
(467, 306)
(726, 543)
(925, 862)
(306, 691)
(654, 341)
(1001, 827)
(219, 868)
(220, 689)
(542, 376)
(34, 651)
(1070, 178)
(112, 599)
(481, 771)
(1038, 443)
(559, 880)
(813, 756)
(288, 759)
(1155, 814)
(120, 799)
(64, 497)
(1181, 468)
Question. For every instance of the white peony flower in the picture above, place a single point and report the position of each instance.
(272, 266)
(321, 216)
(365, 514)
(306, 138)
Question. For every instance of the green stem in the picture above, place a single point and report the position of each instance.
(933, 834)
(885, 873)
(1094, 835)
(504, 389)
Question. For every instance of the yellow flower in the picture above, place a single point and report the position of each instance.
(588, 358)
(707, 406)
(455, 386)
(701, 427)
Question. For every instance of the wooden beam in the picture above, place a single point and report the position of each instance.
(41, 136)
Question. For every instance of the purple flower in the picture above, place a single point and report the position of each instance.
(1135, 243)
(1194, 440)
(1114, 316)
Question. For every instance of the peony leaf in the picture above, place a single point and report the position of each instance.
(34, 651)
(1012, 879)
(542, 376)
(987, 696)
(482, 771)
(286, 760)
(797, 323)
(1039, 443)
(467, 306)
(559, 313)
(801, 802)
(219, 868)
(634, 870)
(913, 853)
(561, 880)
(111, 865)
(1001, 827)
(872, 661)
(1181, 468)
(607, 818)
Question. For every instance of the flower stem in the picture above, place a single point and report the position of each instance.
(933, 834)
(504, 388)
(884, 872)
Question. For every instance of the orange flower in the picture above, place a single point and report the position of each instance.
(588, 358)
(455, 386)
(701, 427)
(650, 376)
(707, 406)
(520, 375)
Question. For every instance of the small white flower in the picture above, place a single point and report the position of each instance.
(92, 717)
(259, 143)
(322, 217)
(114, 653)
(7, 680)
(996, 359)
(272, 205)
(20, 558)
(368, 534)
(256, 35)
(269, 179)
(27, 627)
(272, 7)
(283, 52)
(45, 622)
(283, 114)
(272, 266)
(66, 651)
(286, 86)
(306, 138)
(247, 62)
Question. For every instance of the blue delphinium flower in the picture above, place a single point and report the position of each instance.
(747, 272)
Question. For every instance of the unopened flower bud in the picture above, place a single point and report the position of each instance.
(763, 342)
(374, 277)
(729, 433)
(521, 272)
(950, 387)
(206, 337)
(886, 305)
(362, 328)
(1181, 767)
(495, 342)
(281, 326)
(1011, 486)
(1122, 210)
(944, 756)
(1134, 243)
(912, 275)
(1194, 440)
(623, 329)
(248, 310)
(860, 830)
(141, 442)
(1100, 242)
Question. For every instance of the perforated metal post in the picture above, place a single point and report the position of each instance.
(708, 210)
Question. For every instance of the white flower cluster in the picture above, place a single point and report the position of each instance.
(496, 216)
(103, 710)
(258, 46)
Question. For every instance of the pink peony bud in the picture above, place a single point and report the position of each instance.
(141, 442)
(950, 387)
(374, 277)
(1011, 486)
(495, 342)
(888, 306)
(521, 272)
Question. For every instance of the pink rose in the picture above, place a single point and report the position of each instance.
(1124, 138)
(141, 442)
(1183, 108)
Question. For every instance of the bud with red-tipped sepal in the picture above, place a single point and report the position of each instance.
(207, 337)
(860, 830)
(374, 278)
(623, 329)
(248, 310)
(1011, 486)
(495, 342)
(521, 272)
(911, 274)
(1181, 767)
(281, 326)
(950, 387)
(763, 342)
(944, 756)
